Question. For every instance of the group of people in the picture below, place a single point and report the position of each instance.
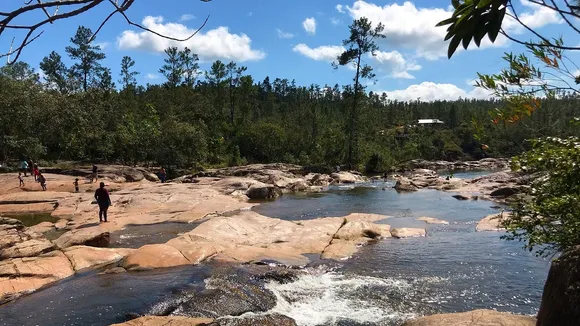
(31, 167)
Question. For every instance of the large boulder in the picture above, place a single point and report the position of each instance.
(561, 299)
(504, 192)
(475, 318)
(93, 236)
(346, 177)
(492, 222)
(83, 257)
(166, 321)
(405, 185)
(263, 191)
(154, 256)
(432, 220)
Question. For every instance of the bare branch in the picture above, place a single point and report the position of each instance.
(71, 8)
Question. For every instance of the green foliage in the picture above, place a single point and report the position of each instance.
(549, 219)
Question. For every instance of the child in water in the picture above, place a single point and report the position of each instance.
(21, 179)
(76, 183)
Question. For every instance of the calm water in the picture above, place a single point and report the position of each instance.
(135, 236)
(453, 269)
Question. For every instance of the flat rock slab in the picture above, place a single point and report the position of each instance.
(84, 257)
(92, 236)
(408, 232)
(23, 275)
(29, 248)
(474, 318)
(42, 227)
(154, 256)
(166, 321)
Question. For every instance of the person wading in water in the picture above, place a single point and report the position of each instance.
(104, 201)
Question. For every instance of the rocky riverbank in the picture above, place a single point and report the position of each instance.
(218, 200)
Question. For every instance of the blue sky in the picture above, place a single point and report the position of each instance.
(298, 40)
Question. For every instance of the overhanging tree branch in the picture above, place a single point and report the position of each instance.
(68, 8)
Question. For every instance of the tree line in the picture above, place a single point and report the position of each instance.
(226, 117)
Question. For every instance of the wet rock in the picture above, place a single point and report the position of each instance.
(10, 223)
(461, 197)
(492, 222)
(114, 270)
(361, 229)
(29, 248)
(432, 220)
(263, 192)
(23, 275)
(561, 298)
(504, 192)
(93, 237)
(408, 232)
(42, 227)
(61, 224)
(83, 257)
(474, 318)
(225, 295)
(154, 256)
(256, 320)
(167, 321)
(404, 185)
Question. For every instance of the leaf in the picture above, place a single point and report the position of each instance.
(484, 3)
(446, 22)
(453, 46)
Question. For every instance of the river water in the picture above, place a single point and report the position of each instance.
(453, 269)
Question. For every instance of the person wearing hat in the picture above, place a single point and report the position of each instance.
(104, 201)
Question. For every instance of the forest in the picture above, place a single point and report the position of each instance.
(226, 117)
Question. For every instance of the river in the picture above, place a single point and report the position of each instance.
(453, 269)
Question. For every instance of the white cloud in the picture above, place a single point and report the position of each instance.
(282, 34)
(414, 28)
(340, 9)
(217, 43)
(151, 76)
(335, 21)
(430, 91)
(395, 65)
(309, 25)
(321, 53)
(103, 45)
(186, 17)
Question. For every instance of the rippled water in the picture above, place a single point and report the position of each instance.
(135, 236)
(453, 269)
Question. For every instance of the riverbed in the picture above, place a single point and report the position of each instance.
(453, 269)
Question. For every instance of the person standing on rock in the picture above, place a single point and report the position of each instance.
(21, 179)
(162, 175)
(95, 174)
(35, 171)
(76, 183)
(104, 201)
(42, 181)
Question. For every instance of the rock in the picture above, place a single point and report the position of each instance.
(360, 229)
(29, 248)
(346, 177)
(114, 270)
(504, 192)
(343, 249)
(154, 256)
(42, 227)
(166, 321)
(194, 248)
(274, 319)
(408, 232)
(475, 318)
(23, 275)
(461, 197)
(61, 224)
(561, 298)
(432, 220)
(263, 192)
(11, 223)
(404, 185)
(93, 236)
(150, 176)
(492, 222)
(84, 257)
